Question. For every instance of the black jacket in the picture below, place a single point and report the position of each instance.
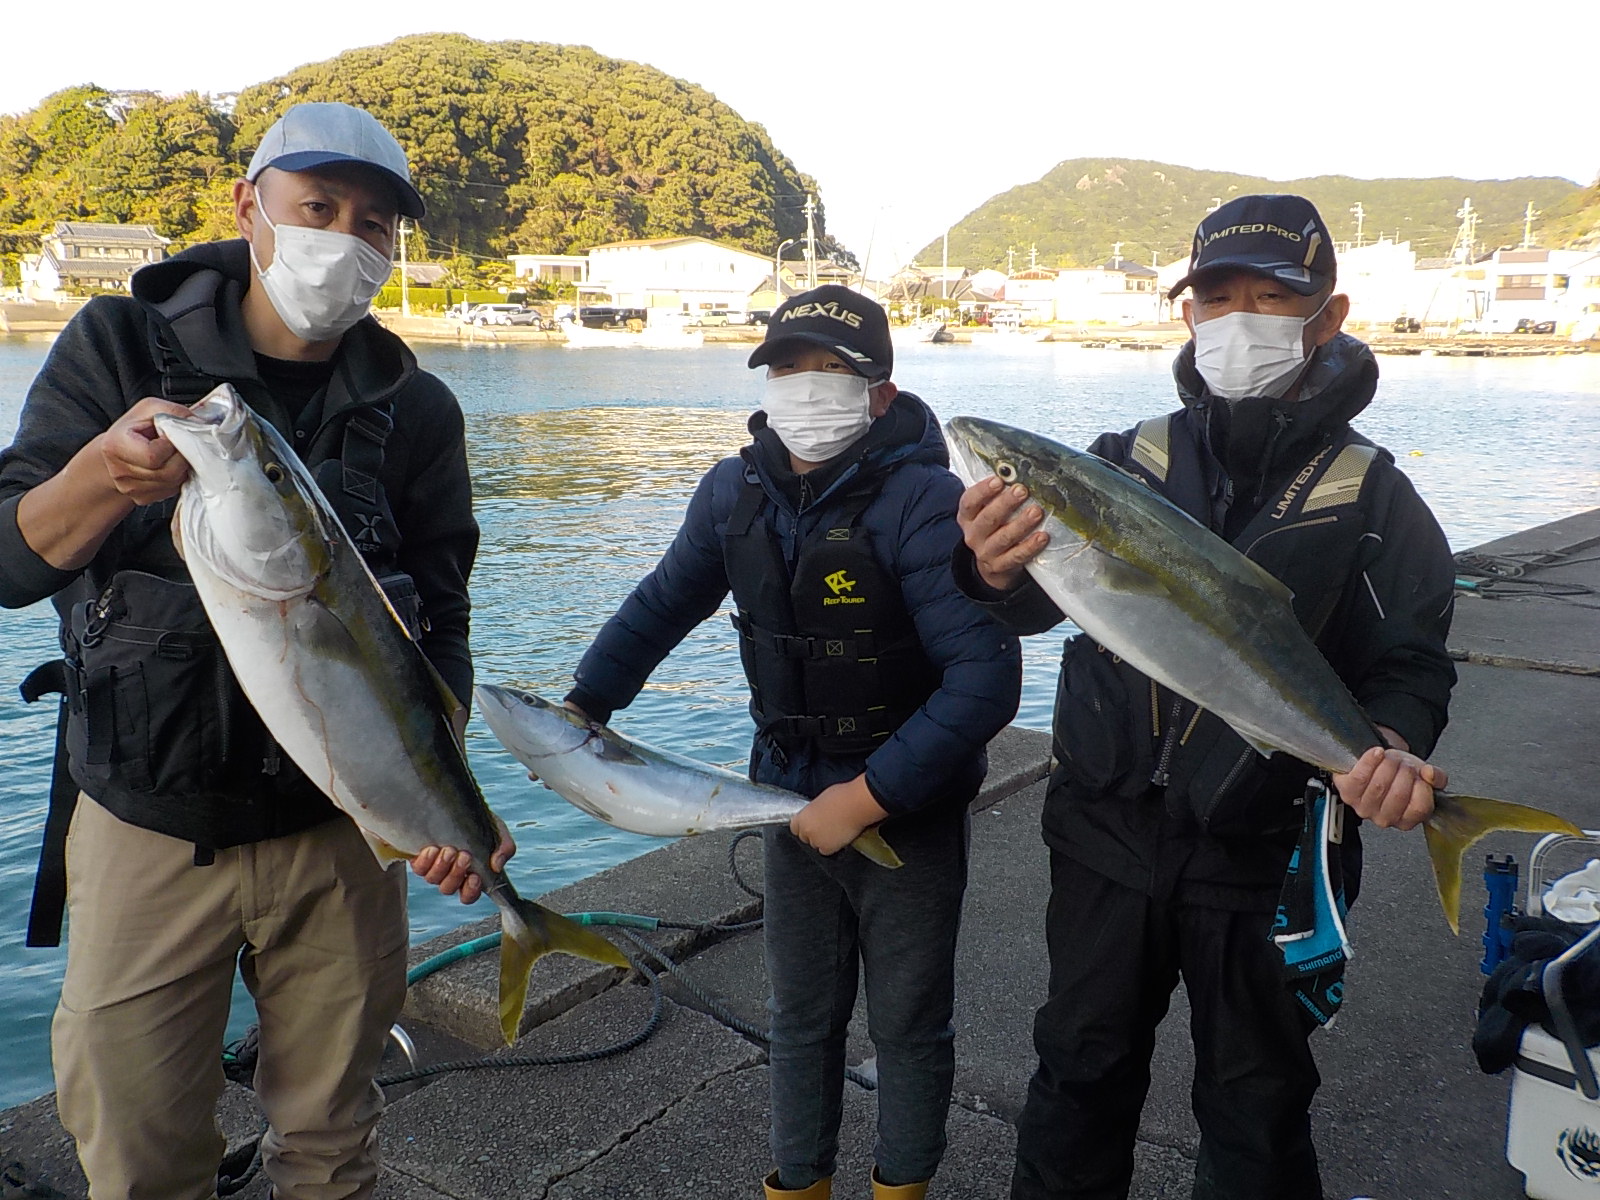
(938, 753)
(1382, 628)
(108, 358)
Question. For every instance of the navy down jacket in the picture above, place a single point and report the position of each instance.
(912, 519)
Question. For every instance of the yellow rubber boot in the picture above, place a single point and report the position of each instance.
(904, 1191)
(822, 1189)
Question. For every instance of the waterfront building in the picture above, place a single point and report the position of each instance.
(683, 274)
(1117, 292)
(549, 268)
(78, 257)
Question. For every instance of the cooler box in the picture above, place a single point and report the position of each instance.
(1553, 1130)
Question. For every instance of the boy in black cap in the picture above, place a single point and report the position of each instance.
(1170, 837)
(195, 843)
(875, 686)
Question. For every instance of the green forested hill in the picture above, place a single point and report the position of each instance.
(516, 146)
(1576, 220)
(1076, 213)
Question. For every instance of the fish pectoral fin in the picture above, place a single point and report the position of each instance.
(1459, 821)
(1119, 575)
(1265, 749)
(452, 704)
(530, 932)
(382, 850)
(871, 846)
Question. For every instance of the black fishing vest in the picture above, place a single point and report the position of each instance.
(157, 729)
(831, 654)
(1119, 732)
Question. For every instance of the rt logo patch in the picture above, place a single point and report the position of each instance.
(1579, 1151)
(840, 583)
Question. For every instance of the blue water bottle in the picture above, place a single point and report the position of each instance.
(1500, 879)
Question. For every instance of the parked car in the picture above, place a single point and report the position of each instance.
(760, 316)
(491, 314)
(530, 316)
(1406, 325)
(1528, 325)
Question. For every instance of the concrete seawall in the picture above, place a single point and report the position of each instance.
(1404, 1113)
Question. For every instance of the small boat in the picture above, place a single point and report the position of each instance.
(655, 335)
(925, 329)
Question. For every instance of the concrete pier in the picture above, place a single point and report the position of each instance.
(1403, 1114)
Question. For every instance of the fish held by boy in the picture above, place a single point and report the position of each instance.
(332, 672)
(1154, 586)
(633, 786)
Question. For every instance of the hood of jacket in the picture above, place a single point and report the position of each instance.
(1257, 437)
(195, 302)
(908, 432)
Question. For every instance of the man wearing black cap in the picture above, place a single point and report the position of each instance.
(875, 686)
(195, 842)
(1170, 837)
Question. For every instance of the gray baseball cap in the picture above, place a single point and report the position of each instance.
(313, 135)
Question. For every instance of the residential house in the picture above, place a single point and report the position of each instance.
(1542, 285)
(79, 256)
(550, 268)
(1117, 292)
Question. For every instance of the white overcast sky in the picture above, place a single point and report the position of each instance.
(910, 115)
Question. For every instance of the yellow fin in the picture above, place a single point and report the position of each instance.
(382, 850)
(871, 845)
(528, 936)
(1459, 821)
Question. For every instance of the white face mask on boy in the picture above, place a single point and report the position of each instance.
(321, 282)
(1242, 354)
(818, 414)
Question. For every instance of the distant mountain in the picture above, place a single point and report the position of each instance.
(1081, 208)
(1576, 220)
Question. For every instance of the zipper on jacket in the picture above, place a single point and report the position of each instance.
(1160, 775)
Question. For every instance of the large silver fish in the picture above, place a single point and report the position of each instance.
(1154, 586)
(634, 786)
(335, 677)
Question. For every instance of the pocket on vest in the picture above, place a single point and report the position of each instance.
(1095, 742)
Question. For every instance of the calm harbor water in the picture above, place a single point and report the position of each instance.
(582, 464)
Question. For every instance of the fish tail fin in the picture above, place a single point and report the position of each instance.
(530, 932)
(1459, 821)
(872, 847)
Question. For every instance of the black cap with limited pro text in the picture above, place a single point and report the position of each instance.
(1279, 236)
(851, 325)
(313, 135)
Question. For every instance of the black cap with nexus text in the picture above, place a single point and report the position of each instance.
(1280, 236)
(851, 325)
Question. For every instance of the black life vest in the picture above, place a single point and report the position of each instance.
(157, 729)
(830, 651)
(1118, 731)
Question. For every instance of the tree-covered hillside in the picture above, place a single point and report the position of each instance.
(516, 146)
(1080, 209)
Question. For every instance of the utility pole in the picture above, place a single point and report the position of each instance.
(944, 269)
(811, 243)
(1116, 255)
(1527, 225)
(1466, 242)
(1011, 254)
(1033, 254)
(405, 295)
(1361, 216)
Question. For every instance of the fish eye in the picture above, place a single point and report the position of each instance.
(1007, 472)
(274, 472)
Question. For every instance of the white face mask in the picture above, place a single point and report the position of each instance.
(817, 413)
(1241, 354)
(320, 282)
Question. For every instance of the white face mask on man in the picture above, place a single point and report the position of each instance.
(818, 414)
(321, 282)
(1243, 354)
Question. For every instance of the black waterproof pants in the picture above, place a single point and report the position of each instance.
(1115, 956)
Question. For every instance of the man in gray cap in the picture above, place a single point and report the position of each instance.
(194, 841)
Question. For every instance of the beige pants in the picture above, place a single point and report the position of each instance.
(137, 1039)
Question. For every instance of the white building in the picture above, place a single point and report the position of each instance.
(79, 256)
(1117, 292)
(684, 274)
(1541, 285)
(550, 268)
